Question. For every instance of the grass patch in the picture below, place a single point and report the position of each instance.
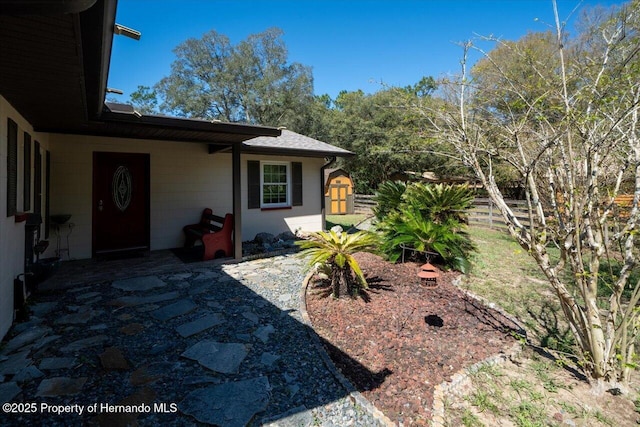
(531, 390)
(344, 221)
(518, 286)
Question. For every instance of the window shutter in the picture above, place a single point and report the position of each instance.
(296, 183)
(27, 172)
(253, 184)
(12, 167)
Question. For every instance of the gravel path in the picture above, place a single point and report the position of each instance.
(198, 341)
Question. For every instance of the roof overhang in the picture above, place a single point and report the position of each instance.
(55, 59)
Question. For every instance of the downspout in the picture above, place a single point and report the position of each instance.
(322, 184)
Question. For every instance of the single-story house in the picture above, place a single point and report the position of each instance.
(338, 192)
(126, 180)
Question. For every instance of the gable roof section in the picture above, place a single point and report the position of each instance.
(292, 143)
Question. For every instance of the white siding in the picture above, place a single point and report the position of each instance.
(184, 180)
(303, 218)
(12, 235)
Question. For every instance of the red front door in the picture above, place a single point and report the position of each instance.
(120, 202)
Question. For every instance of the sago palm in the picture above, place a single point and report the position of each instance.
(440, 202)
(388, 197)
(336, 250)
(410, 228)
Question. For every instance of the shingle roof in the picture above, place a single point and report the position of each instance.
(294, 143)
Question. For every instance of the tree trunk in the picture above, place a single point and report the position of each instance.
(339, 282)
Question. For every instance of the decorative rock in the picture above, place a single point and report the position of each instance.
(232, 404)
(99, 327)
(264, 238)
(200, 288)
(287, 235)
(15, 363)
(46, 341)
(8, 391)
(43, 308)
(161, 348)
(337, 229)
(53, 363)
(143, 376)
(60, 386)
(112, 359)
(132, 329)
(268, 359)
(88, 295)
(251, 316)
(24, 338)
(147, 308)
(133, 301)
(81, 317)
(27, 374)
(138, 284)
(199, 325)
(219, 357)
(264, 332)
(176, 309)
(84, 343)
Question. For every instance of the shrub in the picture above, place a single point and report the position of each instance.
(410, 228)
(428, 218)
(438, 202)
(335, 249)
(388, 198)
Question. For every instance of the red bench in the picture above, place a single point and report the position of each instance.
(215, 238)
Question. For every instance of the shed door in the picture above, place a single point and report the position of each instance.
(120, 202)
(338, 195)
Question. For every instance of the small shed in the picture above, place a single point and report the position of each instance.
(338, 192)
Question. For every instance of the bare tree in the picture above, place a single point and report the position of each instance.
(564, 113)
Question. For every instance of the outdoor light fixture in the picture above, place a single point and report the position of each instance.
(126, 31)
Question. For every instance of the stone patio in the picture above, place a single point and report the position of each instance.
(206, 343)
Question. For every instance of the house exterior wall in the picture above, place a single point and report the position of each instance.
(12, 234)
(307, 217)
(184, 179)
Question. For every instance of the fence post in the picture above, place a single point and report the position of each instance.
(490, 214)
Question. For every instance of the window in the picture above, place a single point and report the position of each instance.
(12, 167)
(274, 184)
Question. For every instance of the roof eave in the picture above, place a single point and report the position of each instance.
(293, 152)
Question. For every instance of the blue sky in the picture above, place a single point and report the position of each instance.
(350, 44)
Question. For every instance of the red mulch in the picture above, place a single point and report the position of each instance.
(402, 338)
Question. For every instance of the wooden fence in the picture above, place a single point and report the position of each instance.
(484, 213)
(363, 204)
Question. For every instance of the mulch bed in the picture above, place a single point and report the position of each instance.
(401, 338)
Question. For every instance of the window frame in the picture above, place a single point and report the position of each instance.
(288, 183)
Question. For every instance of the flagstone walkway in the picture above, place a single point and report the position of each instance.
(204, 344)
